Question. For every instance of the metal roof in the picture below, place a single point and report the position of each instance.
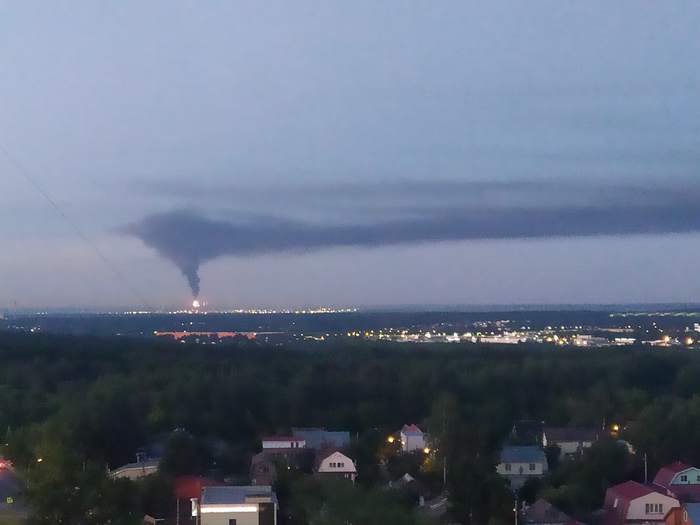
(320, 437)
(235, 495)
(522, 455)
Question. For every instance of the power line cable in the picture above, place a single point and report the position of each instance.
(24, 172)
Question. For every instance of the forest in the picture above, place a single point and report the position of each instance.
(73, 406)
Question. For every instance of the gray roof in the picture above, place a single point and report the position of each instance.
(542, 511)
(142, 464)
(320, 437)
(567, 434)
(235, 495)
(522, 455)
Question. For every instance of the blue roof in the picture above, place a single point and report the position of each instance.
(693, 510)
(522, 455)
(320, 437)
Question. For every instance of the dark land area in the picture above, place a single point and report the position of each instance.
(73, 406)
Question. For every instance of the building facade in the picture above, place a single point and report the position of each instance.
(519, 463)
(335, 464)
(236, 505)
(412, 438)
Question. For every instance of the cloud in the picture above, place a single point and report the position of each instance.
(190, 239)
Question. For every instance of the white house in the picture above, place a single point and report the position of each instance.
(282, 442)
(135, 470)
(521, 463)
(240, 505)
(335, 464)
(412, 438)
(679, 480)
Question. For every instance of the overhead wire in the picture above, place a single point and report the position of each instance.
(79, 232)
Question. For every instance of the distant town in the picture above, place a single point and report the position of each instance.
(564, 329)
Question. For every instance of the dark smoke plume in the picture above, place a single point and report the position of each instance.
(190, 240)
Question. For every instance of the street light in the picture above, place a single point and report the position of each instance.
(390, 439)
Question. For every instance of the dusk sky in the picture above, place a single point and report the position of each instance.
(355, 153)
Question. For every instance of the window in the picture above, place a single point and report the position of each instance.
(332, 464)
(532, 466)
(616, 502)
(341, 465)
(654, 508)
(231, 522)
(507, 467)
(647, 508)
(684, 478)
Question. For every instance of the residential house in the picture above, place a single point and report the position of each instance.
(236, 505)
(412, 438)
(282, 442)
(542, 512)
(687, 514)
(332, 463)
(136, 470)
(520, 463)
(318, 438)
(572, 441)
(633, 503)
(680, 481)
(264, 466)
(411, 487)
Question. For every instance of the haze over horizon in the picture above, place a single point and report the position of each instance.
(364, 154)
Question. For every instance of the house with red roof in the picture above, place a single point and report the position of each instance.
(633, 503)
(679, 480)
(412, 438)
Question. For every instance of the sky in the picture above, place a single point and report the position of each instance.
(365, 153)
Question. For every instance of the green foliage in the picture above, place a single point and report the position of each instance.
(579, 485)
(83, 404)
(339, 502)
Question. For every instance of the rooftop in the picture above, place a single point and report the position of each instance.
(141, 465)
(693, 510)
(630, 490)
(571, 434)
(412, 430)
(320, 437)
(522, 454)
(542, 511)
(666, 473)
(235, 495)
